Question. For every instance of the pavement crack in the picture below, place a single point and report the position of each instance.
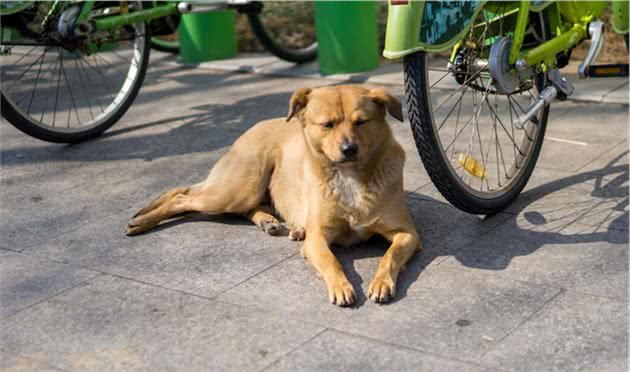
(51, 296)
(511, 331)
(254, 275)
(293, 349)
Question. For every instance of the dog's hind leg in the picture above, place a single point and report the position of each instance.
(262, 216)
(155, 203)
(213, 200)
(236, 184)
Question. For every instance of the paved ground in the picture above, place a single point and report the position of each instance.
(543, 286)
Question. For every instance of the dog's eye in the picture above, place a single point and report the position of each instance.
(360, 121)
(328, 124)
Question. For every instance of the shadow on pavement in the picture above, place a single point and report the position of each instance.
(214, 126)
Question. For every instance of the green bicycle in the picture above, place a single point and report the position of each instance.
(479, 78)
(71, 69)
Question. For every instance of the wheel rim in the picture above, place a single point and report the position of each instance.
(472, 123)
(70, 90)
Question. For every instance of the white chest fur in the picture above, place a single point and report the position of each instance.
(347, 188)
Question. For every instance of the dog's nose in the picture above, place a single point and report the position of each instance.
(349, 149)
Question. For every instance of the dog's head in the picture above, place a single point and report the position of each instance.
(346, 123)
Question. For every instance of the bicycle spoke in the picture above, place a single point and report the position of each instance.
(462, 86)
(71, 95)
(87, 78)
(506, 132)
(459, 100)
(50, 85)
(440, 79)
(24, 56)
(24, 73)
(39, 72)
(57, 91)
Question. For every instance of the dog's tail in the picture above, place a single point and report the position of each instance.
(157, 202)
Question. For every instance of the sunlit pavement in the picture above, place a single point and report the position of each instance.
(542, 286)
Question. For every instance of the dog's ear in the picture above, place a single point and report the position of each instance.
(298, 101)
(390, 102)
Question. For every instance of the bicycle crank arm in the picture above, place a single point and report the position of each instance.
(596, 31)
(560, 86)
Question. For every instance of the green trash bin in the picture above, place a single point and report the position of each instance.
(346, 35)
(207, 36)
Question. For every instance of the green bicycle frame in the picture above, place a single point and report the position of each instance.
(437, 26)
(110, 22)
(116, 21)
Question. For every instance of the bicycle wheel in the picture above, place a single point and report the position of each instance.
(60, 87)
(463, 124)
(286, 29)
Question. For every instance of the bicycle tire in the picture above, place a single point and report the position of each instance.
(428, 146)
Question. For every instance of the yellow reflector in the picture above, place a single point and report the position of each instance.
(472, 166)
(607, 70)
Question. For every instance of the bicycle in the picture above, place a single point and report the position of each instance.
(485, 73)
(70, 70)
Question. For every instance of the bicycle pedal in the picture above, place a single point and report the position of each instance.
(613, 70)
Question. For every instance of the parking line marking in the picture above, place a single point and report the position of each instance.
(566, 141)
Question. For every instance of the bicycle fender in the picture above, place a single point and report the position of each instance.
(434, 26)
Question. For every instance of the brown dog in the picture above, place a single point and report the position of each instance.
(334, 173)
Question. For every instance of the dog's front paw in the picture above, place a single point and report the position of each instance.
(382, 288)
(340, 292)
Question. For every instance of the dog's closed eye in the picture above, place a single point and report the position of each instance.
(361, 121)
(328, 124)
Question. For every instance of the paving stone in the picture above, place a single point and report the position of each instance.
(455, 313)
(581, 134)
(594, 90)
(114, 324)
(337, 351)
(584, 122)
(202, 255)
(573, 332)
(592, 260)
(618, 95)
(47, 213)
(604, 205)
(15, 363)
(611, 168)
(26, 280)
(445, 229)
